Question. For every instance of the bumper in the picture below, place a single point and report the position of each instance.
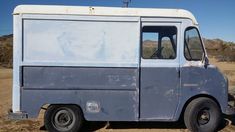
(230, 110)
(17, 116)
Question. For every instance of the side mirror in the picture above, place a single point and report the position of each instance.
(206, 62)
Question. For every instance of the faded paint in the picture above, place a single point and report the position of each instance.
(104, 11)
(159, 98)
(80, 78)
(77, 42)
(112, 106)
(210, 82)
(193, 63)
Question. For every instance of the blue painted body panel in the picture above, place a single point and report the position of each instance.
(159, 99)
(80, 78)
(203, 81)
(115, 105)
(114, 89)
(159, 93)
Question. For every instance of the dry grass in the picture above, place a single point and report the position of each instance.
(5, 104)
(228, 68)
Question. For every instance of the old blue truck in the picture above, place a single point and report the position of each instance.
(113, 64)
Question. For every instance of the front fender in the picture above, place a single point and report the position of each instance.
(203, 82)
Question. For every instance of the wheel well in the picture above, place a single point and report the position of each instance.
(45, 106)
(195, 97)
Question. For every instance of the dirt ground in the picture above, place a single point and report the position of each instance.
(228, 125)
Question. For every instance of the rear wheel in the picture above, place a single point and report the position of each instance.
(202, 115)
(63, 118)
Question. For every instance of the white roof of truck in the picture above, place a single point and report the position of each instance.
(108, 11)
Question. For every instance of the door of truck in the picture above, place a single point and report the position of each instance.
(159, 72)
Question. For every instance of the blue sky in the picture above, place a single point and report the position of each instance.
(216, 17)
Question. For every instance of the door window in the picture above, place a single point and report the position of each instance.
(193, 49)
(159, 42)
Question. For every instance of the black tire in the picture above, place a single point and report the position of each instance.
(202, 115)
(63, 118)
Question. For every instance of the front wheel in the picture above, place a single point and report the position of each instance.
(202, 115)
(63, 118)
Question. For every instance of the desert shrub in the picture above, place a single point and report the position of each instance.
(6, 51)
(221, 50)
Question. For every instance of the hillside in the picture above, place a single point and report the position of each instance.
(219, 49)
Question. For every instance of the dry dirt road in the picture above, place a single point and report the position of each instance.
(6, 125)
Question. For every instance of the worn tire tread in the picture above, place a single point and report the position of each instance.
(191, 108)
(50, 111)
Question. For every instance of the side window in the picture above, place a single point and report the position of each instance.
(159, 42)
(150, 44)
(193, 49)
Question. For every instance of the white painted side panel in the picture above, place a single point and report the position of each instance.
(16, 63)
(83, 43)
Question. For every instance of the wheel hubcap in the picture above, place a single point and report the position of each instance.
(64, 119)
(203, 117)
